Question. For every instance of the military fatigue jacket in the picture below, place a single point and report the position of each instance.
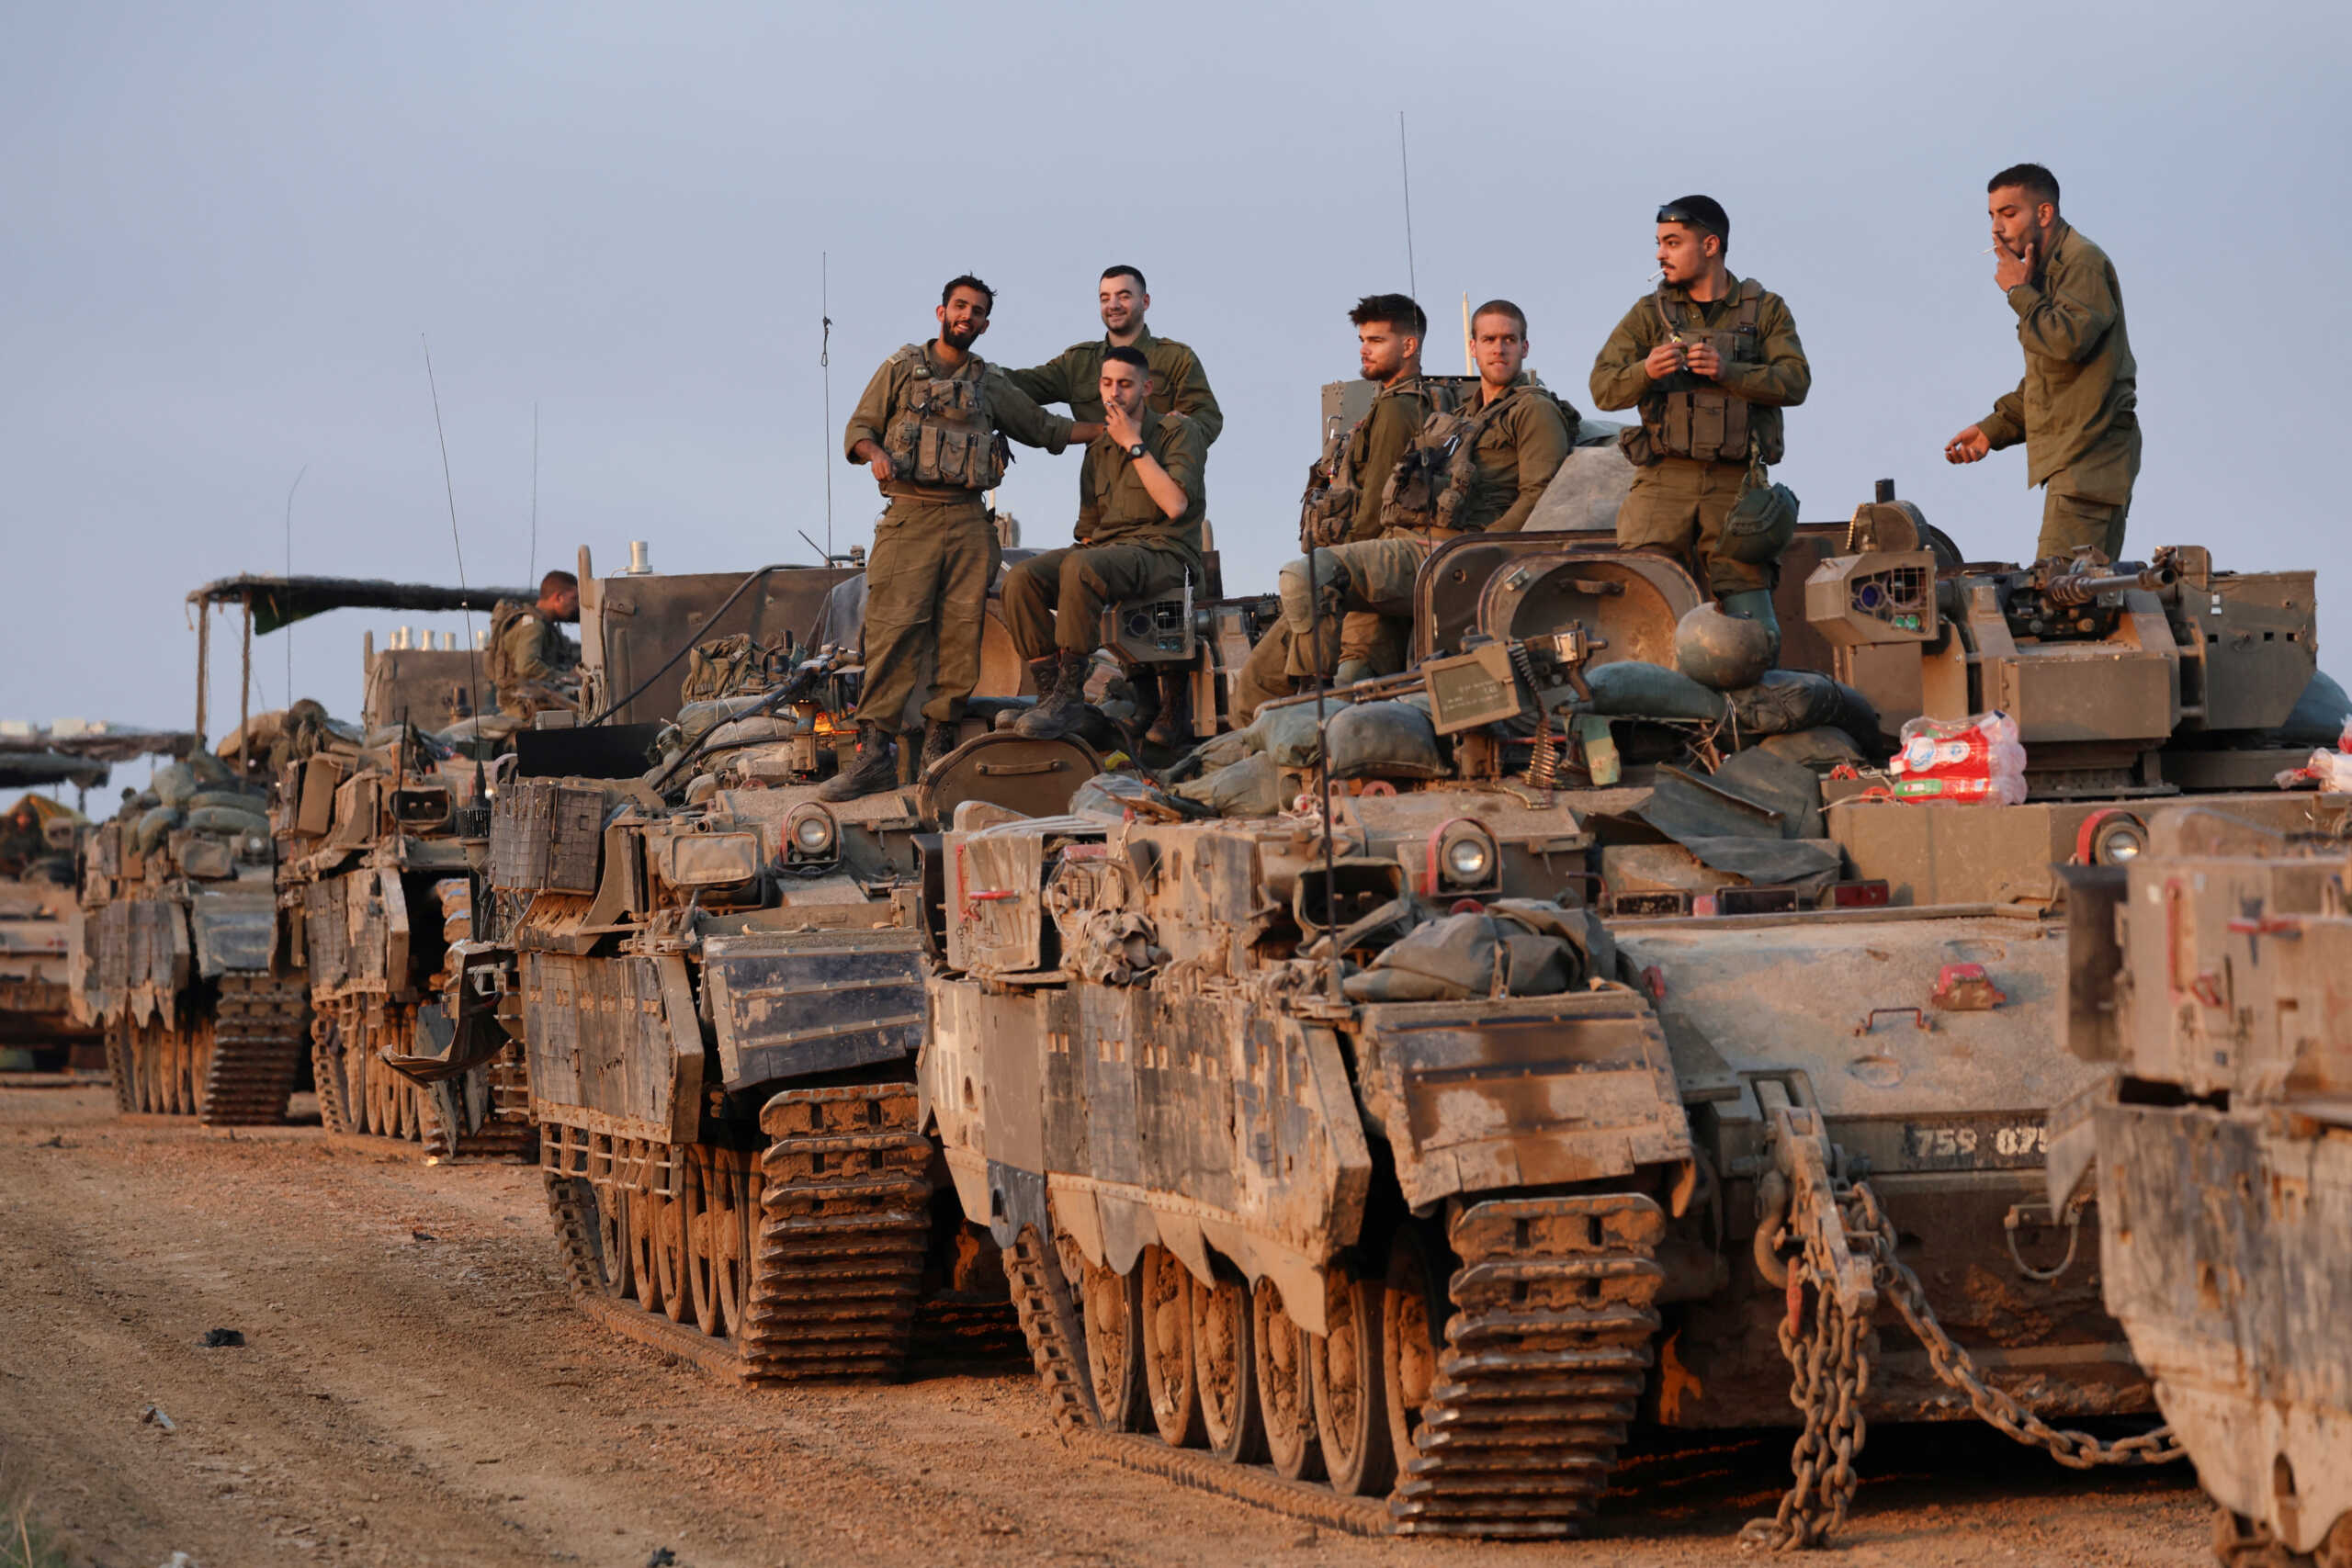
(526, 645)
(1388, 432)
(1520, 445)
(1012, 410)
(2077, 407)
(1179, 385)
(1780, 377)
(1114, 508)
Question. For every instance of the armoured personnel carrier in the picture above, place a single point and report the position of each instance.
(716, 977)
(2207, 979)
(1617, 1039)
(39, 846)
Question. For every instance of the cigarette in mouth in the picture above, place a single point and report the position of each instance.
(1655, 275)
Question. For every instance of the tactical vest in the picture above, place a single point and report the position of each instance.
(497, 663)
(941, 433)
(1328, 510)
(1693, 417)
(1437, 473)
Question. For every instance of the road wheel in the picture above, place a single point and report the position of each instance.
(1351, 1386)
(1226, 1370)
(1114, 1360)
(1278, 1355)
(1168, 1349)
(1411, 1336)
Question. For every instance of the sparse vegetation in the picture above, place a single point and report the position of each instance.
(24, 1544)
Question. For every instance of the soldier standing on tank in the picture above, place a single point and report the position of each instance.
(534, 667)
(1711, 360)
(1478, 469)
(1141, 501)
(932, 425)
(1390, 330)
(2077, 407)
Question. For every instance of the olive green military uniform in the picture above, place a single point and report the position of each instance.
(935, 550)
(1127, 548)
(2077, 409)
(1374, 642)
(1510, 448)
(532, 665)
(1179, 385)
(1691, 450)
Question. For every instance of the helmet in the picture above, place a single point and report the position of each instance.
(1717, 649)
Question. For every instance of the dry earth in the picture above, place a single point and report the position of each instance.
(415, 1388)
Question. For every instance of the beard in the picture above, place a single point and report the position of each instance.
(958, 336)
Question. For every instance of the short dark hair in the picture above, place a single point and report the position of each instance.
(967, 281)
(2031, 178)
(1394, 310)
(1699, 212)
(1501, 307)
(1128, 354)
(1124, 270)
(558, 582)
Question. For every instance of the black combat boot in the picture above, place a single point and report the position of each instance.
(938, 740)
(1171, 727)
(876, 769)
(1062, 713)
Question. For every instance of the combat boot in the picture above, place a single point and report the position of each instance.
(1171, 727)
(1057, 715)
(938, 740)
(877, 769)
(1755, 604)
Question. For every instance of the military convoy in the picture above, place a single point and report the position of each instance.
(2207, 979)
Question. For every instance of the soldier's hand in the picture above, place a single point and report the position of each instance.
(1119, 427)
(1662, 361)
(1969, 446)
(1703, 360)
(881, 466)
(2014, 270)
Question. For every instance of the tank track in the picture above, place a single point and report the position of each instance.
(575, 1233)
(1546, 1354)
(1545, 1357)
(118, 1048)
(843, 1234)
(326, 1072)
(259, 1035)
(504, 1131)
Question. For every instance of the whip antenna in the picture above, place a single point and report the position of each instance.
(474, 676)
(534, 572)
(1405, 167)
(825, 366)
(289, 571)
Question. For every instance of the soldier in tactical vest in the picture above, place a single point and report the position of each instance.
(1344, 494)
(1141, 501)
(1179, 385)
(932, 426)
(2077, 409)
(1711, 360)
(1476, 469)
(533, 667)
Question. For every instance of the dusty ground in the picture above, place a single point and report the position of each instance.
(415, 1388)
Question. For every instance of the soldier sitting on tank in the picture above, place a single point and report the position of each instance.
(1478, 469)
(534, 667)
(1140, 501)
(1711, 360)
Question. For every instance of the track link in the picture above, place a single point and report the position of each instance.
(259, 1036)
(845, 1226)
(119, 1065)
(1544, 1365)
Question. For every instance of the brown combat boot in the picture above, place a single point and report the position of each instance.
(1057, 715)
(877, 769)
(1171, 727)
(938, 740)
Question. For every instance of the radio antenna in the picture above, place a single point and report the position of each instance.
(825, 366)
(1405, 167)
(289, 571)
(534, 572)
(449, 490)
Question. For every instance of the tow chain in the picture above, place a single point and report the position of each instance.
(1840, 1231)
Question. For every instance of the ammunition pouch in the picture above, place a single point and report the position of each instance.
(1639, 449)
(1328, 510)
(941, 433)
(1689, 416)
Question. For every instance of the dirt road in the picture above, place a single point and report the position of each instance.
(415, 1388)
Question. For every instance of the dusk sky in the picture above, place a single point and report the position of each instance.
(229, 228)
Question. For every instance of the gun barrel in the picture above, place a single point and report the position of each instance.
(2081, 587)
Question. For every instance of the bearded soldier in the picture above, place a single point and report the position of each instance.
(534, 667)
(932, 425)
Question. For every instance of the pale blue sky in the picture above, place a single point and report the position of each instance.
(226, 227)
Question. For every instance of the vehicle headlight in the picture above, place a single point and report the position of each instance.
(811, 832)
(2119, 839)
(1465, 857)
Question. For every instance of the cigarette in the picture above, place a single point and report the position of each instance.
(1655, 275)
(1988, 250)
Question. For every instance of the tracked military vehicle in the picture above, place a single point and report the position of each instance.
(2207, 979)
(717, 977)
(1391, 1172)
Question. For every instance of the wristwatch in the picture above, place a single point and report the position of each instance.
(1135, 452)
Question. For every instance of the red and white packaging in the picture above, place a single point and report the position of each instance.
(1971, 762)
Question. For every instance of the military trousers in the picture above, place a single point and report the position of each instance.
(1370, 645)
(1370, 578)
(926, 595)
(1055, 599)
(1679, 506)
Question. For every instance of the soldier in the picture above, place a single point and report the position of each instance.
(1711, 360)
(1141, 499)
(2076, 410)
(932, 425)
(1478, 469)
(1345, 493)
(534, 667)
(1179, 385)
